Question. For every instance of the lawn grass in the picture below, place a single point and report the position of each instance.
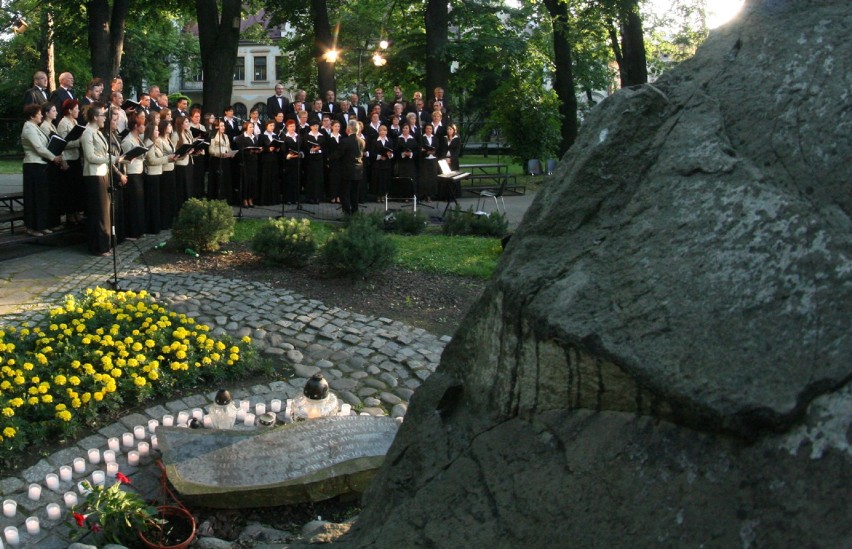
(470, 256)
(11, 166)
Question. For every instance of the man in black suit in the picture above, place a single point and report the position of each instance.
(440, 98)
(144, 103)
(330, 105)
(154, 92)
(356, 109)
(350, 154)
(277, 103)
(180, 108)
(94, 90)
(64, 91)
(38, 93)
(233, 128)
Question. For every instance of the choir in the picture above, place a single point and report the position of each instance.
(152, 158)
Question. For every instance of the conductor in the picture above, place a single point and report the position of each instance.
(350, 153)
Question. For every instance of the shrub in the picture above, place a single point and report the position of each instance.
(203, 225)
(461, 222)
(286, 241)
(358, 249)
(408, 222)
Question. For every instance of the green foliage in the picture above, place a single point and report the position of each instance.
(112, 514)
(408, 222)
(460, 222)
(470, 256)
(203, 225)
(359, 249)
(286, 241)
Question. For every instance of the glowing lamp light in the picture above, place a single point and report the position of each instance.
(384, 44)
(223, 413)
(331, 55)
(315, 401)
(379, 60)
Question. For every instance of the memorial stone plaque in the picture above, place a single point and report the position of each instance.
(305, 461)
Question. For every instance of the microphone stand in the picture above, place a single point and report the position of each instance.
(112, 190)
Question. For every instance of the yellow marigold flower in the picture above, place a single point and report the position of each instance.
(16, 402)
(8, 412)
(35, 379)
(180, 355)
(140, 381)
(86, 340)
(76, 403)
(20, 380)
(132, 363)
(88, 369)
(64, 415)
(246, 339)
(60, 379)
(216, 357)
(86, 397)
(233, 358)
(121, 363)
(153, 375)
(115, 372)
(59, 407)
(5, 385)
(74, 380)
(98, 396)
(80, 328)
(28, 366)
(9, 432)
(136, 347)
(33, 390)
(32, 401)
(47, 399)
(235, 349)
(206, 360)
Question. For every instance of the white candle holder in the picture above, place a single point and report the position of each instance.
(33, 526)
(244, 405)
(34, 492)
(94, 456)
(66, 473)
(249, 419)
(127, 440)
(139, 432)
(168, 420)
(275, 405)
(54, 512)
(259, 409)
(152, 425)
(241, 414)
(154, 443)
(208, 422)
(10, 507)
(51, 480)
(70, 499)
(79, 465)
(197, 413)
(143, 448)
(114, 444)
(112, 469)
(133, 458)
(109, 456)
(98, 477)
(11, 534)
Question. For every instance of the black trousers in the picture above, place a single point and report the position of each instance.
(97, 216)
(349, 190)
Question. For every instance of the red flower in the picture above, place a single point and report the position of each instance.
(79, 518)
(96, 528)
(122, 478)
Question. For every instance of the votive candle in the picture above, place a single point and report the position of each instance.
(244, 405)
(94, 456)
(127, 439)
(79, 465)
(109, 456)
(133, 457)
(114, 444)
(65, 472)
(98, 477)
(34, 492)
(249, 420)
(241, 414)
(10, 507)
(33, 527)
(70, 499)
(112, 469)
(152, 425)
(154, 443)
(83, 488)
(260, 408)
(139, 432)
(197, 413)
(183, 417)
(275, 405)
(11, 533)
(143, 448)
(54, 512)
(208, 421)
(51, 480)
(168, 420)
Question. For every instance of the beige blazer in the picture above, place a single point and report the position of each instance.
(187, 138)
(137, 165)
(72, 149)
(95, 152)
(155, 158)
(168, 150)
(34, 143)
(220, 146)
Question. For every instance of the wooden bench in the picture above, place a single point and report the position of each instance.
(11, 210)
(474, 189)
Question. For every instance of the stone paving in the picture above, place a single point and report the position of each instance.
(374, 364)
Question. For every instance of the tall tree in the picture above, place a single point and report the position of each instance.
(564, 77)
(218, 37)
(437, 22)
(323, 42)
(628, 42)
(106, 35)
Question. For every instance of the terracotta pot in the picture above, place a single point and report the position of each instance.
(178, 516)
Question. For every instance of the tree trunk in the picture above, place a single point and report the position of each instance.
(106, 36)
(218, 38)
(437, 21)
(323, 42)
(564, 78)
(46, 47)
(633, 45)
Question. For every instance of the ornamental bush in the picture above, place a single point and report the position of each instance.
(359, 249)
(460, 222)
(98, 352)
(409, 222)
(286, 241)
(203, 225)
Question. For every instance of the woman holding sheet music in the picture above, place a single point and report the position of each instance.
(57, 191)
(427, 186)
(199, 160)
(96, 174)
(36, 186)
(270, 166)
(382, 154)
(292, 163)
(249, 149)
(183, 164)
(118, 173)
(407, 151)
(155, 159)
(134, 191)
(452, 147)
(313, 144)
(219, 183)
(167, 178)
(72, 178)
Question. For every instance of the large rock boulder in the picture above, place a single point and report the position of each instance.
(664, 355)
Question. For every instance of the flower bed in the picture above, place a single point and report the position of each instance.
(101, 352)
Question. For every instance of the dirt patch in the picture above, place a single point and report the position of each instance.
(436, 303)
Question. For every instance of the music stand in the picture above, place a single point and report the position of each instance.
(113, 238)
(450, 177)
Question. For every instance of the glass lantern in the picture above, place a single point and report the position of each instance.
(223, 413)
(315, 401)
